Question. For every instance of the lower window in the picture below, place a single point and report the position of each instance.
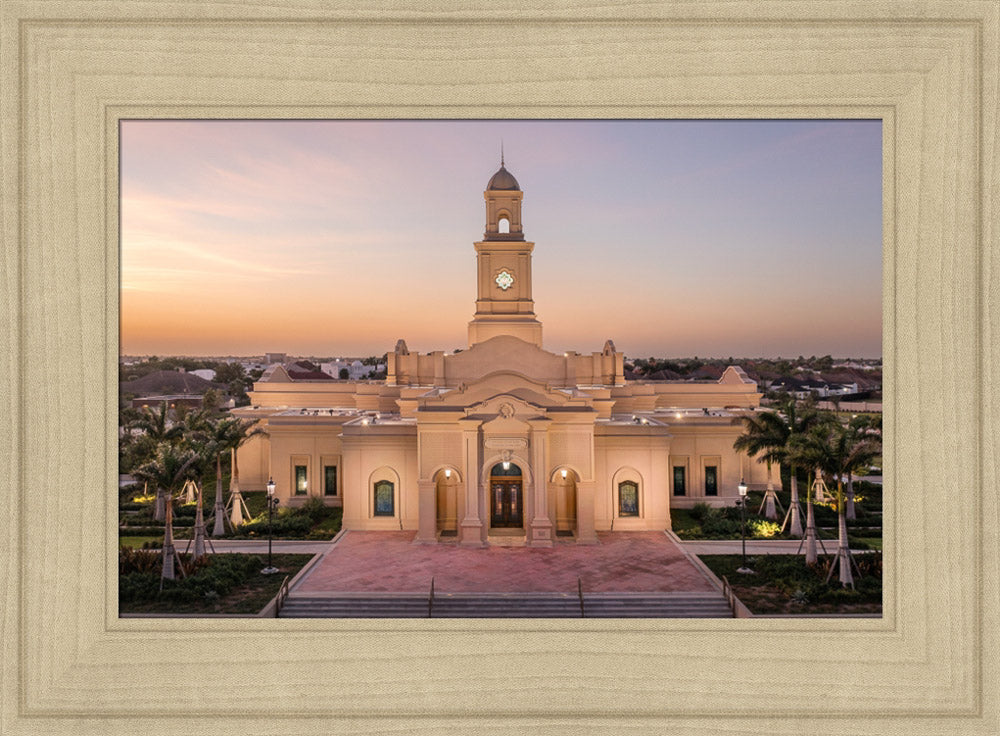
(385, 502)
(628, 498)
(300, 480)
(680, 489)
(711, 480)
(330, 480)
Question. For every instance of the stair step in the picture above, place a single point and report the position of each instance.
(509, 605)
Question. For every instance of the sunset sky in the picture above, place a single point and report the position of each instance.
(336, 238)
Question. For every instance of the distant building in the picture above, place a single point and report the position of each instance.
(270, 358)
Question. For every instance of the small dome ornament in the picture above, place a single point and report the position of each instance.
(505, 280)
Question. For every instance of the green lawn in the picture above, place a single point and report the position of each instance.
(137, 541)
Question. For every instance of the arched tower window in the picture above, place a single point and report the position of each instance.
(503, 226)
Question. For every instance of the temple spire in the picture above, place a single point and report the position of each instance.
(501, 153)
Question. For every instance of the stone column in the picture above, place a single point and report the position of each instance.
(471, 531)
(540, 530)
(585, 531)
(427, 511)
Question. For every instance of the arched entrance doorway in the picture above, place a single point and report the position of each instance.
(506, 496)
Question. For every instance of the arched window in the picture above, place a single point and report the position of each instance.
(385, 498)
(503, 225)
(628, 498)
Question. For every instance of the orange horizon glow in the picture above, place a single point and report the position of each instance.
(672, 238)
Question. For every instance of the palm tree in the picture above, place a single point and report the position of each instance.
(850, 451)
(865, 426)
(215, 438)
(167, 472)
(764, 436)
(157, 426)
(811, 450)
(835, 449)
(799, 421)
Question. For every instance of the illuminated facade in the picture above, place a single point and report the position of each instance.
(504, 439)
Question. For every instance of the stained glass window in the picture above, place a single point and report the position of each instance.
(628, 499)
(680, 488)
(384, 499)
(711, 480)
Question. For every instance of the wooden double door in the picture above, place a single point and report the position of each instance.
(506, 503)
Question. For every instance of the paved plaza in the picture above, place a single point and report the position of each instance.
(373, 562)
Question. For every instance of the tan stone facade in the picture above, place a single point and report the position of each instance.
(504, 439)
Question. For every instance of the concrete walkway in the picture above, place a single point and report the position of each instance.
(259, 547)
(754, 546)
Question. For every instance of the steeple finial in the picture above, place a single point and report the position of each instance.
(501, 153)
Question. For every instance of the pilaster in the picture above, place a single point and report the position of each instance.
(427, 509)
(540, 528)
(585, 530)
(471, 530)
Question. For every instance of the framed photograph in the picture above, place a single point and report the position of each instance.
(72, 72)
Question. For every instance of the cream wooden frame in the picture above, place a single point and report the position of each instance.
(72, 69)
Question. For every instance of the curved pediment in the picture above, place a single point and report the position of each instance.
(507, 353)
(480, 396)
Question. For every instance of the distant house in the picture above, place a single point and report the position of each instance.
(191, 401)
(207, 373)
(168, 383)
(356, 370)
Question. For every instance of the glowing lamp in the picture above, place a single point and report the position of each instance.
(270, 487)
(742, 488)
(447, 472)
(564, 473)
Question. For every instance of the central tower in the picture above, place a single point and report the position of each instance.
(503, 304)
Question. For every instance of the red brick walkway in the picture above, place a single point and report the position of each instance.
(389, 561)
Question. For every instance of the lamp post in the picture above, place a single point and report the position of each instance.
(742, 488)
(271, 503)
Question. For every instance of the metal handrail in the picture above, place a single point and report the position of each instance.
(729, 593)
(430, 599)
(579, 592)
(282, 597)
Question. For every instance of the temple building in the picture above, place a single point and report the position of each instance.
(504, 440)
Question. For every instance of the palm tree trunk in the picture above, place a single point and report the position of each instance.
(795, 526)
(220, 503)
(236, 519)
(811, 556)
(199, 530)
(160, 506)
(843, 551)
(850, 497)
(168, 547)
(769, 511)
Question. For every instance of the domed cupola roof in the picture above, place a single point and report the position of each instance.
(503, 180)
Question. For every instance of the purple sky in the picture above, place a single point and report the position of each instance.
(674, 238)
